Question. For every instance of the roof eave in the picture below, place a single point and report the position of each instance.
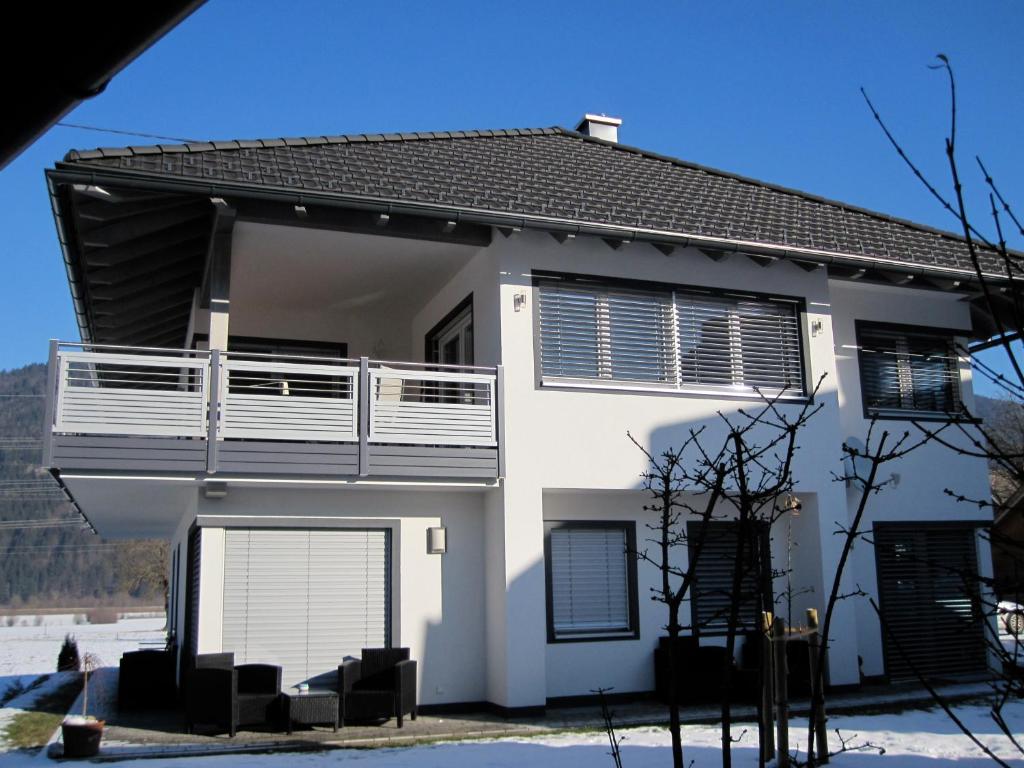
(71, 172)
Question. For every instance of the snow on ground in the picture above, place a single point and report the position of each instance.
(28, 651)
(27, 648)
(912, 739)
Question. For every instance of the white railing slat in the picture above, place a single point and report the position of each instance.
(408, 407)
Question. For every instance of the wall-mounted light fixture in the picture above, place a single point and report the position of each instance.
(817, 326)
(215, 489)
(437, 541)
(519, 301)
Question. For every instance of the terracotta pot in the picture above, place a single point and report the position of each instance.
(82, 739)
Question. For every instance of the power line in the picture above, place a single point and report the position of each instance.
(126, 133)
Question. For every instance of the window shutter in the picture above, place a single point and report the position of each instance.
(588, 332)
(743, 343)
(569, 331)
(673, 339)
(589, 580)
(304, 599)
(712, 593)
(908, 371)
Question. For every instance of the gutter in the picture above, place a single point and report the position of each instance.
(69, 173)
(70, 265)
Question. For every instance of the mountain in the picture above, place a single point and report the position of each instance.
(52, 566)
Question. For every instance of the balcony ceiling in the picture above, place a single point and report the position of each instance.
(327, 271)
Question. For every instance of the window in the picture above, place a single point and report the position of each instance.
(905, 370)
(591, 581)
(672, 338)
(451, 341)
(712, 590)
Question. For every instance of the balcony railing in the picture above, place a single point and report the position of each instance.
(256, 404)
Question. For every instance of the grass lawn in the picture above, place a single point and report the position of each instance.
(33, 727)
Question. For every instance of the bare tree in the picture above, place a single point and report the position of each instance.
(997, 281)
(864, 471)
(744, 476)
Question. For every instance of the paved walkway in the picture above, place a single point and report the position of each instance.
(161, 733)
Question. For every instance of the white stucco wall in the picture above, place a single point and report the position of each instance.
(924, 473)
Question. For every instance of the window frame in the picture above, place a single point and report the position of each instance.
(633, 633)
(800, 394)
(908, 414)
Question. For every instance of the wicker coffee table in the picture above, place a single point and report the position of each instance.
(314, 707)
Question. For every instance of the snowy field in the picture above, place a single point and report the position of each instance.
(28, 648)
(912, 739)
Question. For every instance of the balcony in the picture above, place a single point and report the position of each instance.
(228, 414)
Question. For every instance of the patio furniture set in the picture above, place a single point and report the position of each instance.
(219, 694)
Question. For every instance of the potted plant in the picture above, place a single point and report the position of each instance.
(82, 733)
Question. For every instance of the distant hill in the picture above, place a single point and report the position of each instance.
(50, 567)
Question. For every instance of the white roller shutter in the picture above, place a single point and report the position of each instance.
(305, 599)
(589, 581)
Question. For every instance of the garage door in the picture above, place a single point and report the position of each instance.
(926, 602)
(305, 599)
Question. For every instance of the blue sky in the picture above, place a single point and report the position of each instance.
(770, 90)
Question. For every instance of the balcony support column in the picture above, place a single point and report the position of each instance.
(364, 416)
(216, 288)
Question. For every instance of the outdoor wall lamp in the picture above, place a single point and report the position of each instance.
(215, 489)
(519, 301)
(437, 541)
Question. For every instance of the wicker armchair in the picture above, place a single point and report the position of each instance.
(258, 693)
(211, 687)
(223, 695)
(380, 686)
(147, 679)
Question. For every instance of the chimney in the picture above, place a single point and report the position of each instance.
(600, 127)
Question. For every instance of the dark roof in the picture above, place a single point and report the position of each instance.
(553, 173)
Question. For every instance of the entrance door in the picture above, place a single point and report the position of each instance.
(929, 600)
(304, 599)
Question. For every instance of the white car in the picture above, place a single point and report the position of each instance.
(1011, 629)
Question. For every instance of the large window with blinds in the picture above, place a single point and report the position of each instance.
(908, 371)
(591, 580)
(667, 337)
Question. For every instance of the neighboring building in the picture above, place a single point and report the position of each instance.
(314, 364)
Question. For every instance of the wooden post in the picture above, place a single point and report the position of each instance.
(767, 688)
(820, 734)
(781, 691)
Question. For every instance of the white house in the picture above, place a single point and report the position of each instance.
(376, 389)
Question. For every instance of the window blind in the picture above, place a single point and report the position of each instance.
(304, 599)
(589, 580)
(667, 337)
(712, 592)
(590, 332)
(907, 371)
